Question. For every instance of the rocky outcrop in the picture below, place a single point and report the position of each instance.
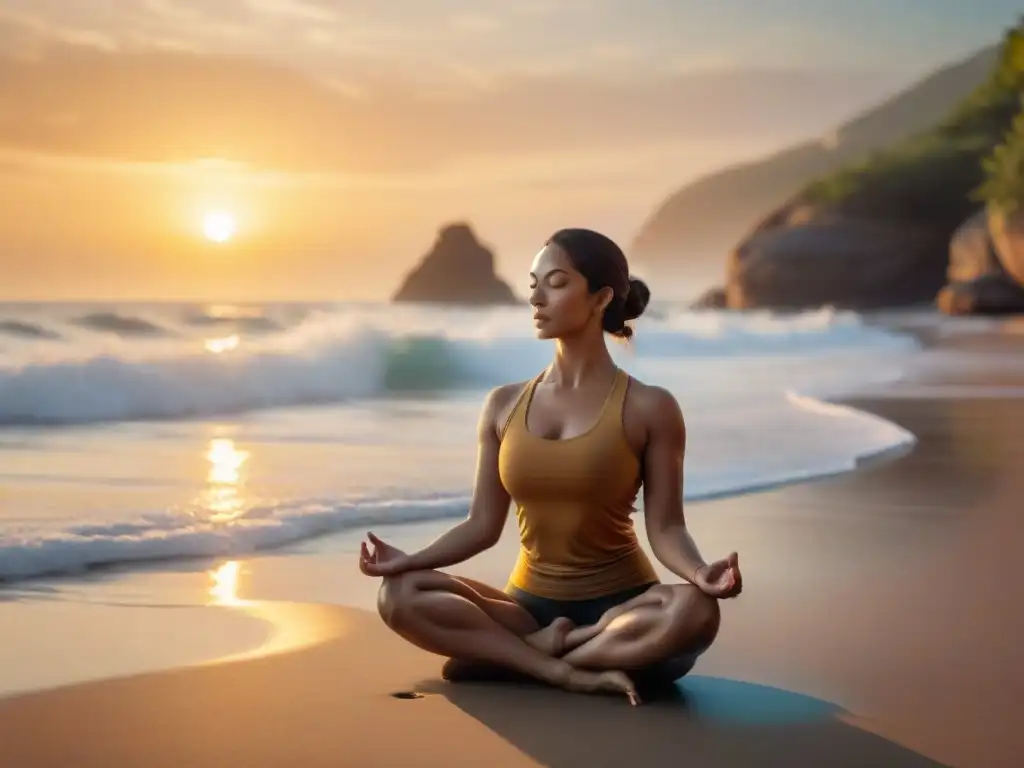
(457, 270)
(987, 295)
(712, 298)
(971, 254)
(1008, 239)
(980, 276)
(802, 257)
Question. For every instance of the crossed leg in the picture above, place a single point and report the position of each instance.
(467, 620)
(447, 616)
(665, 622)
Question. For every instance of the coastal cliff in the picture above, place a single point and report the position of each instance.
(934, 218)
(710, 215)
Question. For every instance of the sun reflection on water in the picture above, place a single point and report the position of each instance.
(223, 497)
(291, 626)
(225, 461)
(217, 346)
(224, 589)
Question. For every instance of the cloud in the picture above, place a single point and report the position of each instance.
(147, 105)
(498, 36)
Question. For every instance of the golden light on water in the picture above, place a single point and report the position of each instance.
(224, 500)
(290, 626)
(217, 346)
(223, 497)
(225, 461)
(224, 589)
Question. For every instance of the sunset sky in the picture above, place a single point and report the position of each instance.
(337, 135)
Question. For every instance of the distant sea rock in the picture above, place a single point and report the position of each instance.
(712, 298)
(802, 257)
(980, 277)
(457, 270)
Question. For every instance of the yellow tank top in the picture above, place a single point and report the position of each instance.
(574, 500)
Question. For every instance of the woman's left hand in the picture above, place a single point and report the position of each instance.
(721, 579)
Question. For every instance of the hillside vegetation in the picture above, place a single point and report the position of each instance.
(936, 175)
(1003, 188)
(708, 217)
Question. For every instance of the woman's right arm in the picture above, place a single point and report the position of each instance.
(488, 509)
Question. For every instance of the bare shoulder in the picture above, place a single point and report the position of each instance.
(498, 406)
(653, 406)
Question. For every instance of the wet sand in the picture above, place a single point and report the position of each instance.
(47, 641)
(880, 625)
(895, 591)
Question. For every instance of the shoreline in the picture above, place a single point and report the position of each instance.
(50, 557)
(900, 442)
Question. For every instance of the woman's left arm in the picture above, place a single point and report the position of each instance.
(670, 540)
(665, 520)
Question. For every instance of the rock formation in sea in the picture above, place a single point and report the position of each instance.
(458, 269)
(712, 298)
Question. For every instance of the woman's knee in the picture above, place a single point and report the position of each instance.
(695, 616)
(396, 595)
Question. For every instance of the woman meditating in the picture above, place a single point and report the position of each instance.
(583, 609)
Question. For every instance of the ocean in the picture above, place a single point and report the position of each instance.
(138, 434)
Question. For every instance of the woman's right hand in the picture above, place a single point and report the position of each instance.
(383, 559)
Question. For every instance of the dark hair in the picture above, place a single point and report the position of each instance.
(604, 265)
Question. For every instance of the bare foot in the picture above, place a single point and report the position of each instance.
(581, 635)
(583, 681)
(551, 639)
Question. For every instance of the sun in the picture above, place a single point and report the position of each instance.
(219, 226)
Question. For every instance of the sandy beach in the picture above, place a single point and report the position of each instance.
(879, 626)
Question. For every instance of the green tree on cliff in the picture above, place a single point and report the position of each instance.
(1003, 188)
(930, 177)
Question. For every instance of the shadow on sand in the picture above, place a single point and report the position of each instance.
(705, 721)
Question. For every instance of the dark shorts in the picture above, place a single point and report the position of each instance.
(581, 612)
(584, 612)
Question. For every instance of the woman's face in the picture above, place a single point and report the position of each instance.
(562, 303)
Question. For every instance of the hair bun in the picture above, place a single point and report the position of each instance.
(637, 299)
